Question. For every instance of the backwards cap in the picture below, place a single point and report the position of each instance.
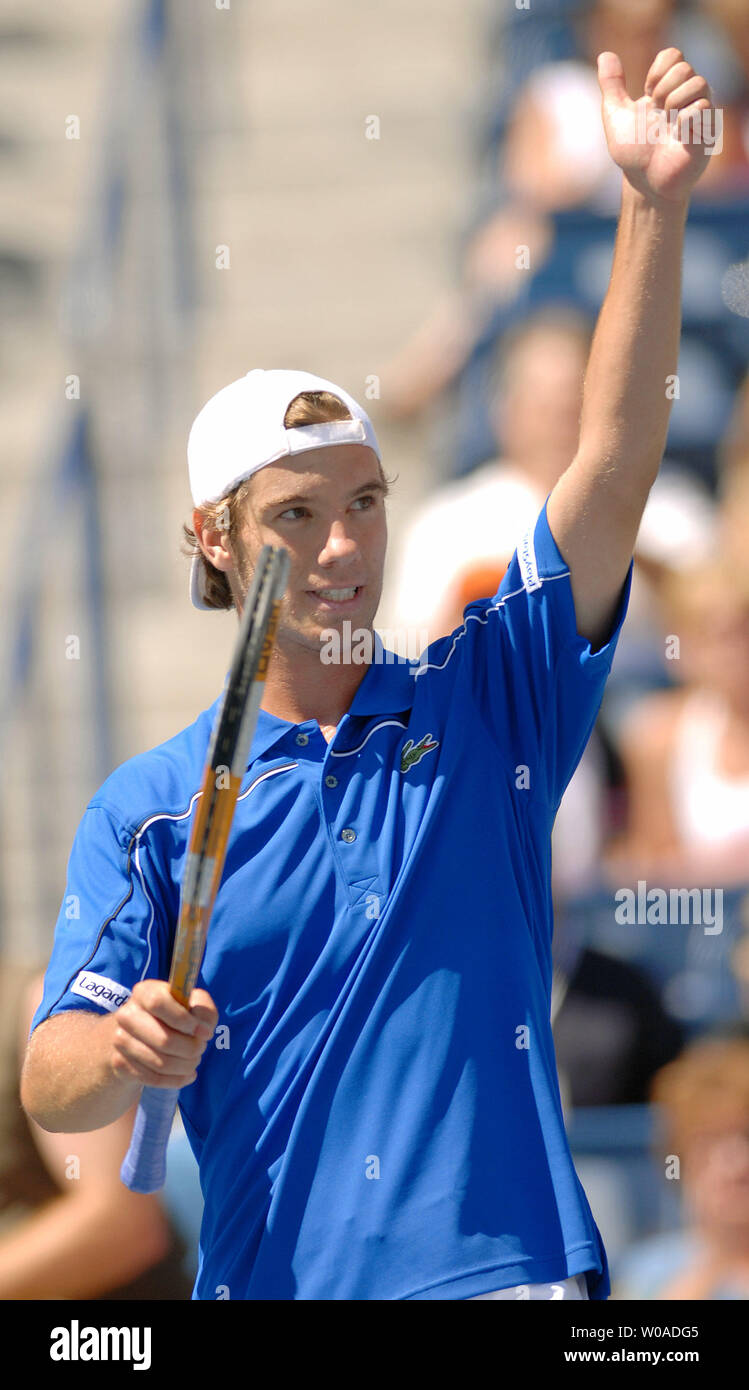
(241, 429)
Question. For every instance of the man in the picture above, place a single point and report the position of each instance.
(379, 1115)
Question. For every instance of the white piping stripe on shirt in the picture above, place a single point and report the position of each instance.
(346, 752)
(180, 815)
(163, 815)
(479, 618)
(271, 772)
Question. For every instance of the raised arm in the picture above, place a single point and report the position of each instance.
(595, 509)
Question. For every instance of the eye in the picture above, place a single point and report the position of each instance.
(368, 497)
(288, 512)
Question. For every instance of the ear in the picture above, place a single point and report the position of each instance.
(213, 541)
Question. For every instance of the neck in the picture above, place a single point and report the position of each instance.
(299, 686)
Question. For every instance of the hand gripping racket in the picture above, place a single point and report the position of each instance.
(144, 1166)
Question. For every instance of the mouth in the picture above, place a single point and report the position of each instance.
(337, 599)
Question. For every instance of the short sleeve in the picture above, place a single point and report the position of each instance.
(537, 681)
(113, 927)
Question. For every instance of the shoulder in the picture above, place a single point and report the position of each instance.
(160, 780)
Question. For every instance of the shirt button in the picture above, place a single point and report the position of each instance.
(302, 739)
(331, 781)
(348, 835)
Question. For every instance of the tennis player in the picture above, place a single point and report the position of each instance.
(368, 1072)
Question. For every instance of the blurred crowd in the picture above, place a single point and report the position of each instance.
(650, 1014)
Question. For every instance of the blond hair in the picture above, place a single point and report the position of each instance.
(692, 597)
(706, 1089)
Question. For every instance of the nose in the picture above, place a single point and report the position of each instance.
(339, 545)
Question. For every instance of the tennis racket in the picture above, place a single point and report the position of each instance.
(144, 1166)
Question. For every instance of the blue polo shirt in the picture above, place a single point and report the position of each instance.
(378, 1115)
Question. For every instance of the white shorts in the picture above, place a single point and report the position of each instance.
(576, 1288)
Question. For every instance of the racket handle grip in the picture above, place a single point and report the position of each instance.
(144, 1165)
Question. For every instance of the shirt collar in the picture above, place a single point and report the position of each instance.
(387, 688)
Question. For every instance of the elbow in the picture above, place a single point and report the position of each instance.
(35, 1099)
(29, 1098)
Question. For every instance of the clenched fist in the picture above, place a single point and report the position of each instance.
(158, 1041)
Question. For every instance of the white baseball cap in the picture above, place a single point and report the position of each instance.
(241, 429)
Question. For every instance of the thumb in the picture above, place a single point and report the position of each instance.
(203, 1008)
(611, 79)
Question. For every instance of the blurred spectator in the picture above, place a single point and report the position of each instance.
(679, 530)
(554, 158)
(69, 1228)
(704, 1100)
(740, 955)
(734, 520)
(686, 751)
(462, 538)
(732, 171)
(555, 153)
(734, 447)
(611, 1032)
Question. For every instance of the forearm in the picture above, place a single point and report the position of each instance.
(82, 1246)
(67, 1082)
(626, 399)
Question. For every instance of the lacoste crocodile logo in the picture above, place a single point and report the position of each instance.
(411, 753)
